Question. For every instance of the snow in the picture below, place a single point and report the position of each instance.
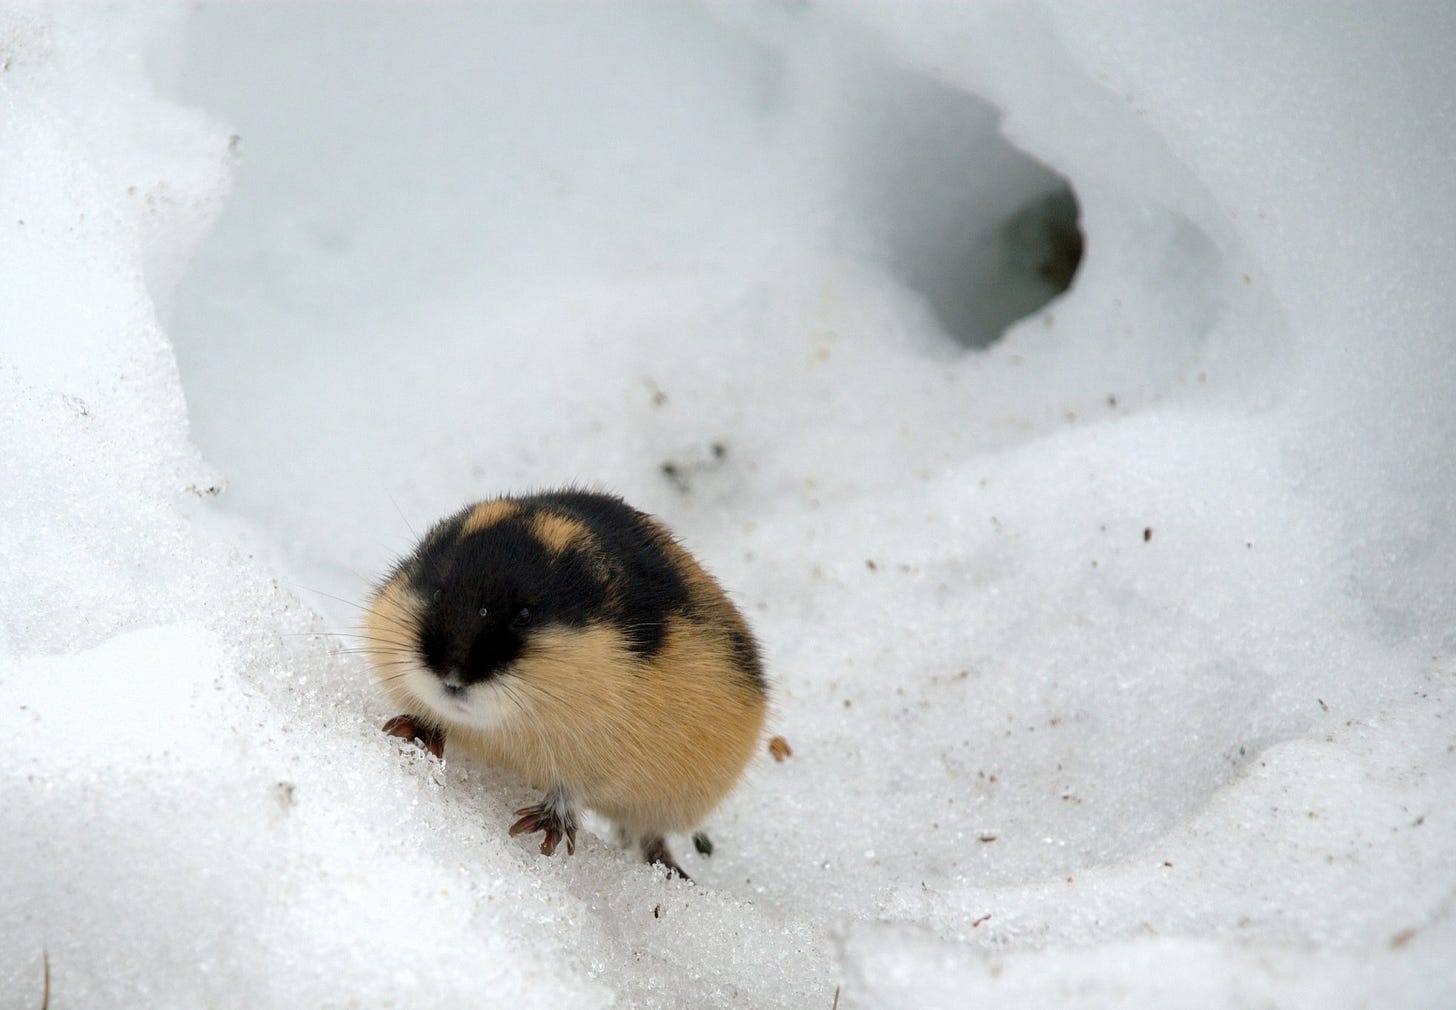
(1114, 649)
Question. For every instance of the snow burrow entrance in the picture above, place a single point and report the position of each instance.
(985, 233)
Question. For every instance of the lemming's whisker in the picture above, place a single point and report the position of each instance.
(374, 654)
(528, 688)
(376, 646)
(335, 634)
(396, 617)
(539, 723)
(410, 633)
(524, 709)
(532, 720)
(359, 606)
(331, 596)
(403, 518)
(373, 650)
(392, 632)
(392, 665)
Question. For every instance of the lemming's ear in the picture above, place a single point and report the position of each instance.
(604, 568)
(590, 561)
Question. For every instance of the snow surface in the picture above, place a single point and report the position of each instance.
(1116, 657)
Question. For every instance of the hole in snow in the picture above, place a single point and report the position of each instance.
(985, 233)
(980, 283)
(1045, 236)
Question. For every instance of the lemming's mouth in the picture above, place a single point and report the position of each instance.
(472, 704)
(454, 698)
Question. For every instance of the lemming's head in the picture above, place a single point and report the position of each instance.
(467, 610)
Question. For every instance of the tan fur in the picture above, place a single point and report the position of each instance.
(558, 532)
(487, 514)
(388, 634)
(653, 745)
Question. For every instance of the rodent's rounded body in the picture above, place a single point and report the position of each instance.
(653, 746)
(569, 638)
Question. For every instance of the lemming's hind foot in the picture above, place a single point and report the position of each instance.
(555, 816)
(655, 850)
(430, 738)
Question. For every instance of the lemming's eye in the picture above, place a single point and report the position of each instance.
(438, 593)
(484, 611)
(523, 617)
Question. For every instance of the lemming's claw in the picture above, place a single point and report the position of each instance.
(551, 820)
(429, 737)
(655, 851)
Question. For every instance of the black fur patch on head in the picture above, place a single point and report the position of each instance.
(499, 561)
(486, 589)
(647, 587)
(578, 587)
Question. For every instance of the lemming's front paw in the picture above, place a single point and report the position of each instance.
(429, 737)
